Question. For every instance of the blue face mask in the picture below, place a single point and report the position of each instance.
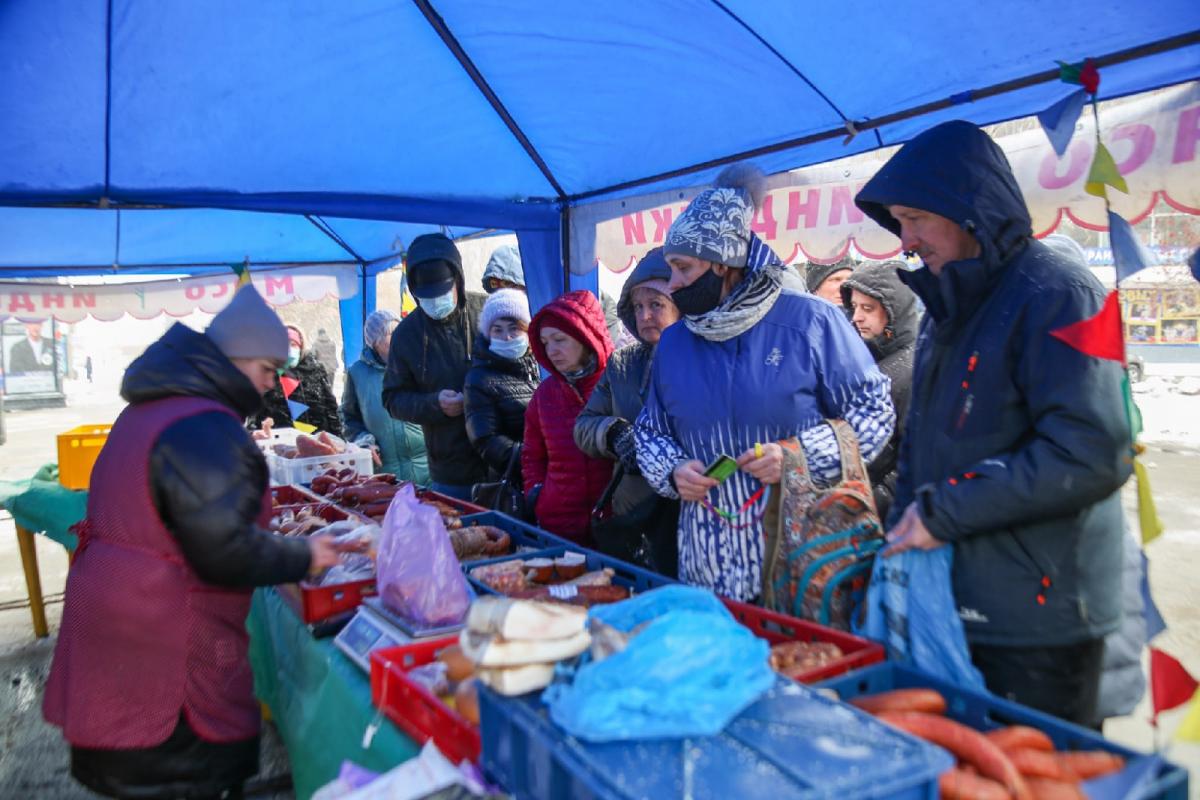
(438, 307)
(512, 349)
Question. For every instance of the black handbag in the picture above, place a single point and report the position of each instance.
(505, 495)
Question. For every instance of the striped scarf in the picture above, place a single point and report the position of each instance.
(748, 302)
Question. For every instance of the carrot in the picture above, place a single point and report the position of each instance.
(958, 784)
(1048, 789)
(1037, 764)
(1090, 763)
(926, 700)
(964, 743)
(1020, 737)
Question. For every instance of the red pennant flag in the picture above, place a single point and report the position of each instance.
(1099, 336)
(1170, 684)
(289, 385)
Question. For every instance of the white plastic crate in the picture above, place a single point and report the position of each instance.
(278, 436)
(303, 470)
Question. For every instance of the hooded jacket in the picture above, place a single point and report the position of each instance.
(314, 391)
(498, 391)
(427, 356)
(893, 353)
(367, 422)
(207, 481)
(505, 265)
(571, 480)
(1015, 442)
(620, 395)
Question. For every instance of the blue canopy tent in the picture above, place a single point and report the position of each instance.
(501, 114)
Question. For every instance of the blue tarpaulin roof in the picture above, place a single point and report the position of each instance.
(487, 113)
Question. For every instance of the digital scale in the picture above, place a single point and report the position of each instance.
(374, 627)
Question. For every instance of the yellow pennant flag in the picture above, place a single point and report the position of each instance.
(1151, 526)
(1189, 729)
(1104, 171)
(304, 427)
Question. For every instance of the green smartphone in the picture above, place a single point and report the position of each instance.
(722, 468)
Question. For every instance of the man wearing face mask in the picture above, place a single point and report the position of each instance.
(312, 390)
(430, 354)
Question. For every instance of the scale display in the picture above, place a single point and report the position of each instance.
(364, 633)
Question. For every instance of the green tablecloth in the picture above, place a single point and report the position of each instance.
(43, 505)
(319, 699)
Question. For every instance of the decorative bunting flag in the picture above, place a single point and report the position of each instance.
(1103, 173)
(1148, 519)
(243, 273)
(288, 384)
(1084, 74)
(1099, 336)
(1129, 254)
(1189, 729)
(304, 427)
(1170, 684)
(1154, 621)
(1058, 121)
(296, 409)
(1194, 263)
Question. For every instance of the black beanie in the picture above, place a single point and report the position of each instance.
(815, 274)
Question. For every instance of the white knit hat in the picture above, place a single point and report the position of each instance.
(504, 303)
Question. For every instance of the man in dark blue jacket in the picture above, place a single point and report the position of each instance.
(1016, 444)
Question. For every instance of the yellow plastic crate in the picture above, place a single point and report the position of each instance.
(78, 449)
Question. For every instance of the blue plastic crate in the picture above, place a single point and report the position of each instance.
(985, 712)
(791, 744)
(523, 534)
(634, 578)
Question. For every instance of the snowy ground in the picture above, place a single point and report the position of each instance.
(33, 759)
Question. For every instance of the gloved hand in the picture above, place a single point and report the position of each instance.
(623, 443)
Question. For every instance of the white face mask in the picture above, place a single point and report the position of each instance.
(293, 356)
(438, 307)
(512, 349)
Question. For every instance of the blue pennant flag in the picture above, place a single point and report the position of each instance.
(1194, 263)
(1154, 621)
(297, 409)
(1058, 121)
(1129, 254)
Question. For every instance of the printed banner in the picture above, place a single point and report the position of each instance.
(180, 297)
(809, 214)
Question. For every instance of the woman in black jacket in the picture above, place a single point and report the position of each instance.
(500, 382)
(643, 526)
(312, 389)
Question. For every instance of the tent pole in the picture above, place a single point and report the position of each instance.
(565, 233)
(969, 96)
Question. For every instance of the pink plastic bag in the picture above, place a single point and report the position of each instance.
(419, 576)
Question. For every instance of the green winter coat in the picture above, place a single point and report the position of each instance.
(367, 422)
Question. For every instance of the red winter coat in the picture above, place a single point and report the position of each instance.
(571, 481)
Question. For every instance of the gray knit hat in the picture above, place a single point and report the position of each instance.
(248, 328)
(504, 303)
(716, 224)
(815, 274)
(376, 325)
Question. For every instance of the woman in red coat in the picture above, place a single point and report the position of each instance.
(570, 339)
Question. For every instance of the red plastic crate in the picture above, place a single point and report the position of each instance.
(775, 628)
(318, 603)
(418, 712)
(314, 603)
(463, 506)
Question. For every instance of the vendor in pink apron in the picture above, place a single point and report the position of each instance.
(150, 682)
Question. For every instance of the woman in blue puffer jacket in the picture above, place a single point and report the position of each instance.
(754, 362)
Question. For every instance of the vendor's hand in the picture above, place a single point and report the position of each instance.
(322, 552)
(451, 402)
(910, 534)
(691, 482)
(375, 457)
(768, 467)
(265, 432)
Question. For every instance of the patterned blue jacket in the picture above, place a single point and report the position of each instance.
(800, 364)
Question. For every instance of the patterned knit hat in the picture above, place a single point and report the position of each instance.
(502, 304)
(716, 224)
(376, 326)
